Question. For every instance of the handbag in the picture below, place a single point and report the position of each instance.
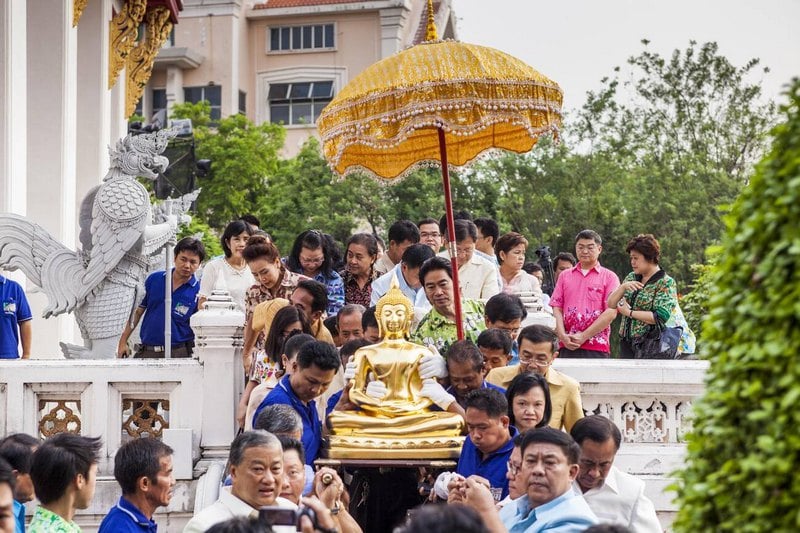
(658, 342)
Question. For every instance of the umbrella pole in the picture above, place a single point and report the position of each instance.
(451, 233)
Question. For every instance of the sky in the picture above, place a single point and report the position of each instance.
(578, 42)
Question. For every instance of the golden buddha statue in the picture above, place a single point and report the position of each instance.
(399, 424)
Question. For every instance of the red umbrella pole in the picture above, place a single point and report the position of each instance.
(451, 233)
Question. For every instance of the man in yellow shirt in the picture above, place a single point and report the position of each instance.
(538, 348)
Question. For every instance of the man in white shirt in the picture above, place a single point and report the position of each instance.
(488, 232)
(402, 234)
(614, 496)
(477, 277)
(256, 467)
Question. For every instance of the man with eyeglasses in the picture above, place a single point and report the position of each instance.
(538, 348)
(615, 496)
(429, 234)
(579, 302)
(477, 277)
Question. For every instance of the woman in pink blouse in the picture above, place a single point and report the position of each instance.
(510, 251)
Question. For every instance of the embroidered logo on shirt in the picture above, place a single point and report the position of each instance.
(181, 309)
(10, 308)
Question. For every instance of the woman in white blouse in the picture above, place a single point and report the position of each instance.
(231, 267)
(510, 250)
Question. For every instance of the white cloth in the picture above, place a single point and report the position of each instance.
(381, 286)
(621, 500)
(236, 281)
(523, 283)
(229, 506)
(383, 265)
(477, 279)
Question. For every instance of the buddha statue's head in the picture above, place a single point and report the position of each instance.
(394, 313)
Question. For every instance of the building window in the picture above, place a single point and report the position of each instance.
(242, 102)
(211, 93)
(311, 37)
(159, 100)
(298, 103)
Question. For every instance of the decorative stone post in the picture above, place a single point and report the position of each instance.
(218, 333)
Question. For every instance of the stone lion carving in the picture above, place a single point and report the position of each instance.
(102, 282)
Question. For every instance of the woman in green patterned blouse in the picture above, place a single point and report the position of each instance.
(647, 294)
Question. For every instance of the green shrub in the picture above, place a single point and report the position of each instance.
(743, 459)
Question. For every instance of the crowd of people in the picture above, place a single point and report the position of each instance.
(531, 460)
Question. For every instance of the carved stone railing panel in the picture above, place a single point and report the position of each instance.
(144, 418)
(59, 416)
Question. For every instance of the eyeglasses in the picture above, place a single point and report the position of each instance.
(543, 363)
(586, 248)
(511, 331)
(513, 468)
(312, 261)
(426, 235)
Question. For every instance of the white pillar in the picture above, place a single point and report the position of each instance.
(13, 106)
(392, 24)
(52, 46)
(93, 120)
(218, 332)
(174, 88)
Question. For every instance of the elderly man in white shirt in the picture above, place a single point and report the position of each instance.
(477, 277)
(256, 463)
(614, 496)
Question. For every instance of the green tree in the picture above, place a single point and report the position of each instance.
(244, 156)
(744, 451)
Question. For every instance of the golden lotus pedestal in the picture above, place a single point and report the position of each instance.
(360, 447)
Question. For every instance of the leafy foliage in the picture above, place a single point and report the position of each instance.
(744, 451)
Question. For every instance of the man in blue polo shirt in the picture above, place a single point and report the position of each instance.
(465, 371)
(143, 468)
(15, 321)
(489, 443)
(189, 253)
(311, 374)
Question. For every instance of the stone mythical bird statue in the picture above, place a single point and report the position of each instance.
(102, 282)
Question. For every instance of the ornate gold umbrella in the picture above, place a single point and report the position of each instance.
(438, 103)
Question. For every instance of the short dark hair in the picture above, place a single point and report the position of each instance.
(351, 347)
(368, 319)
(647, 245)
(508, 242)
(464, 351)
(279, 419)
(233, 229)
(428, 220)
(416, 254)
(332, 323)
(295, 342)
(465, 229)
(250, 439)
(258, 246)
(444, 519)
(607, 528)
(351, 309)
(490, 401)
(18, 449)
(553, 436)
(240, 524)
(488, 227)
(59, 460)
(137, 458)
(521, 384)
(251, 219)
(596, 428)
(457, 215)
(505, 308)
(589, 234)
(539, 333)
(291, 443)
(530, 267)
(495, 339)
(285, 316)
(435, 263)
(192, 245)
(318, 292)
(7, 474)
(367, 240)
(565, 256)
(403, 230)
(319, 354)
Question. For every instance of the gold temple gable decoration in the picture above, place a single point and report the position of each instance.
(77, 10)
(139, 63)
(123, 32)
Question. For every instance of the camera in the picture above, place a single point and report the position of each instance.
(281, 516)
(543, 252)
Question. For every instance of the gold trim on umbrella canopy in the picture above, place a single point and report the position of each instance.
(384, 122)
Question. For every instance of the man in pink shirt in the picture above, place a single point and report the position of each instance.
(579, 302)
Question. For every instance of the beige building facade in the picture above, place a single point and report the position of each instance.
(283, 60)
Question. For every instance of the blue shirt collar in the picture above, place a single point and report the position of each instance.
(136, 515)
(524, 508)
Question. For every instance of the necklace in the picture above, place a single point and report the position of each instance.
(235, 270)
